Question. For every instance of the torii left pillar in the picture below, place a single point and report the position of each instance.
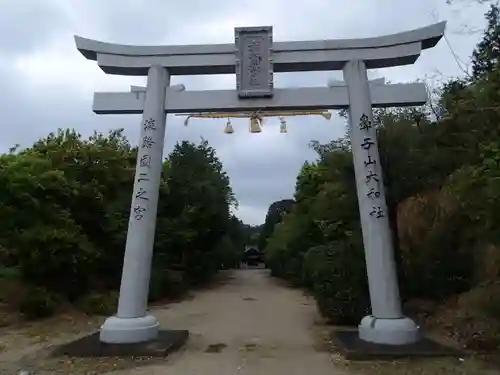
(132, 323)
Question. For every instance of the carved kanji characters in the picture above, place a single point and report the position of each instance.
(377, 212)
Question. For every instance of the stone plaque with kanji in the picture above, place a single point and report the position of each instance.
(254, 67)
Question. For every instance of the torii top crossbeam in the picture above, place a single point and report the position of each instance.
(379, 52)
(254, 57)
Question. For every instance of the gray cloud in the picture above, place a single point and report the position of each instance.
(47, 84)
(25, 26)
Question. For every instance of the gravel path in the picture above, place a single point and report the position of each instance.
(249, 325)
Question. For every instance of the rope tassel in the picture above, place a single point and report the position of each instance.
(256, 118)
(229, 128)
(283, 125)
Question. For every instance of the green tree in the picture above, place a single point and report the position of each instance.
(486, 55)
(274, 215)
(65, 208)
(197, 211)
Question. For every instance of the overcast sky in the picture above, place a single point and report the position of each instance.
(47, 84)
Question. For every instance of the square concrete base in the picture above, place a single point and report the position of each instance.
(168, 342)
(348, 343)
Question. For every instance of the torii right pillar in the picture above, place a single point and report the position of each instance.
(386, 324)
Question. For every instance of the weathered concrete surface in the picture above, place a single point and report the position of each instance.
(249, 325)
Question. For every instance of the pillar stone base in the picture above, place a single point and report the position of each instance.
(117, 330)
(389, 331)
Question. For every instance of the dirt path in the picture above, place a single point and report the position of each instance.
(247, 324)
(250, 325)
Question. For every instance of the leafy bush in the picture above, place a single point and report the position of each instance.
(38, 302)
(474, 321)
(9, 285)
(227, 254)
(201, 267)
(338, 275)
(8, 273)
(64, 208)
(166, 283)
(65, 255)
(96, 303)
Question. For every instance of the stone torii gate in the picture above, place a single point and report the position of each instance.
(254, 58)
